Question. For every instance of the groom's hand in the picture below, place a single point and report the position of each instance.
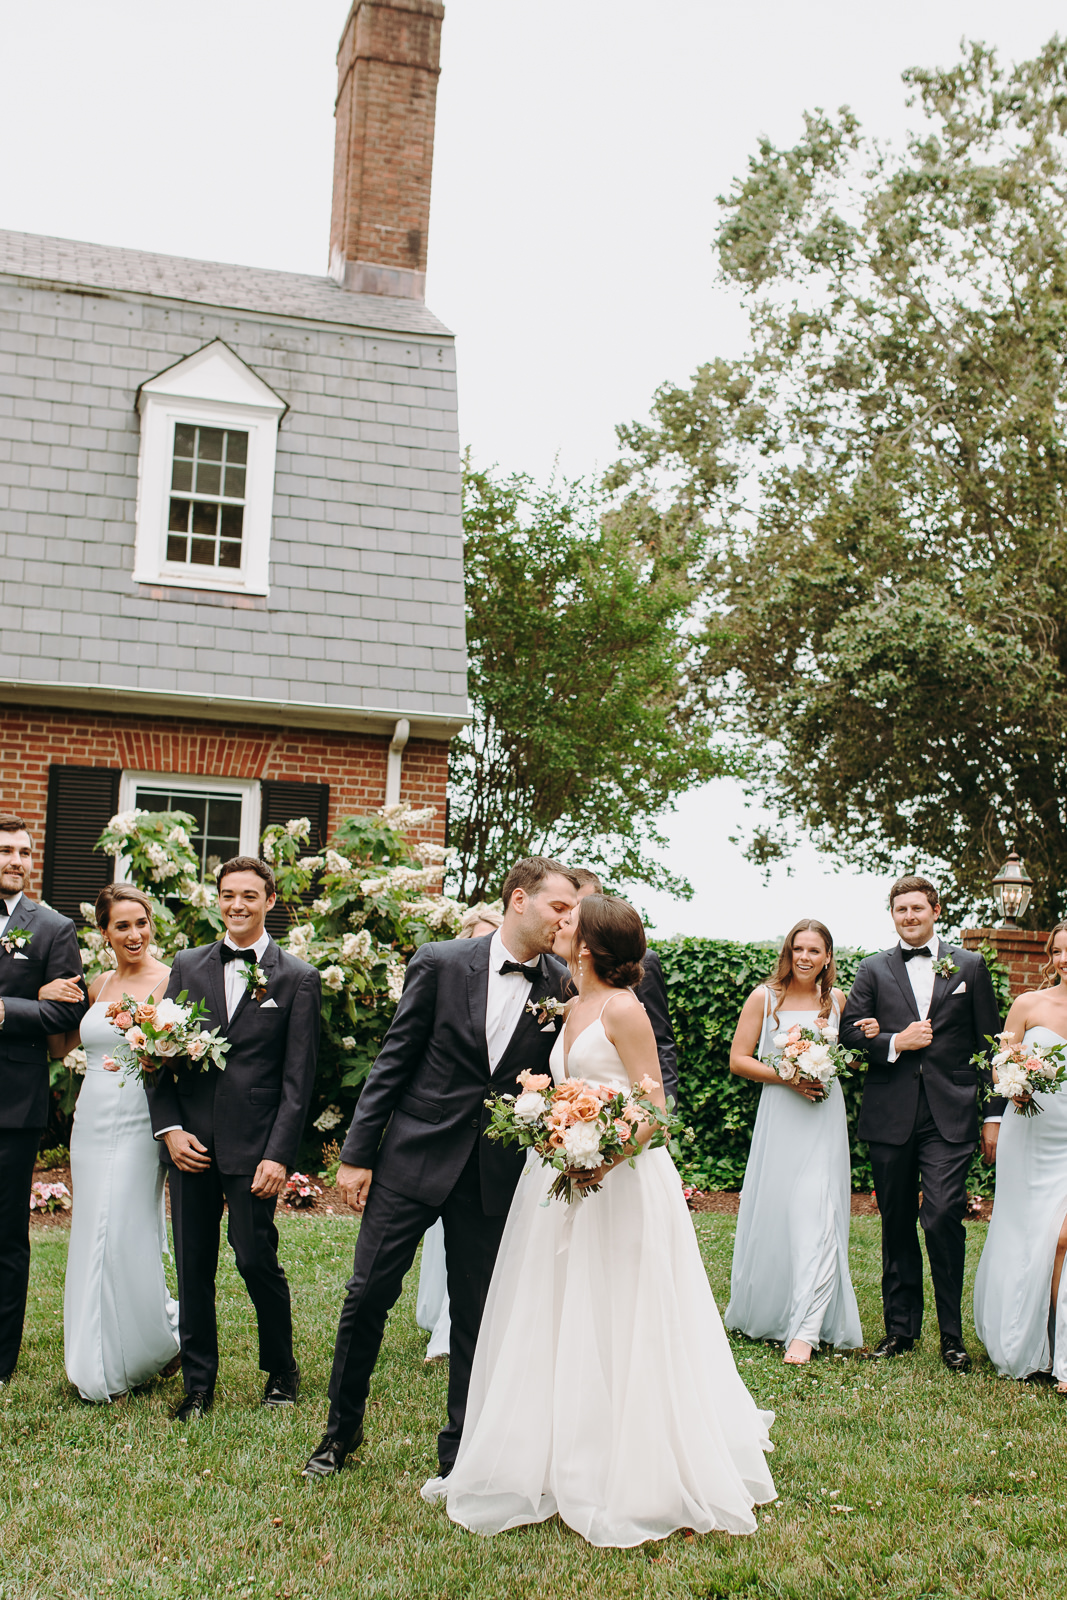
(269, 1180)
(354, 1183)
(916, 1036)
(990, 1135)
(186, 1151)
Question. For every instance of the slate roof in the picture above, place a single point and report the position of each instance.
(213, 283)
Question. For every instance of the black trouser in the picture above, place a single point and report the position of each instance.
(196, 1212)
(18, 1151)
(389, 1235)
(928, 1162)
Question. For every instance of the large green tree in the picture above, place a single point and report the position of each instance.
(583, 726)
(887, 469)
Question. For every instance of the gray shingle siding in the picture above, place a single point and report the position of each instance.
(366, 600)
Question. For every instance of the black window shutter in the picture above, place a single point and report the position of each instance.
(81, 803)
(279, 803)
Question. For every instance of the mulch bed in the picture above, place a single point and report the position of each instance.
(726, 1202)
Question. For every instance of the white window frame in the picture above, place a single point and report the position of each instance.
(247, 790)
(212, 388)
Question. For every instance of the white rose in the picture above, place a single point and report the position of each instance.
(530, 1108)
(334, 978)
(1049, 1069)
(830, 1035)
(165, 1047)
(582, 1144)
(781, 1039)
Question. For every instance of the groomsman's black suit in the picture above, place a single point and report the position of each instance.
(425, 1094)
(252, 1110)
(52, 952)
(920, 1117)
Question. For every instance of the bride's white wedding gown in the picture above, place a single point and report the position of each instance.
(603, 1385)
(120, 1325)
(1013, 1285)
(790, 1277)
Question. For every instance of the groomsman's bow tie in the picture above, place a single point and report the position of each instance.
(531, 974)
(230, 954)
(923, 950)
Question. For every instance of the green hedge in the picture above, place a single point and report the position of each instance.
(707, 982)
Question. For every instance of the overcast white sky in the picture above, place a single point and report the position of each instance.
(580, 148)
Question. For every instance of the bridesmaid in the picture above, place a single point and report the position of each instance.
(431, 1301)
(120, 1325)
(790, 1278)
(1020, 1305)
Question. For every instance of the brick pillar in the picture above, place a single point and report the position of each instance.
(388, 64)
(1021, 951)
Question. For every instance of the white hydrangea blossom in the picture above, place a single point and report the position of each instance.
(76, 1062)
(299, 828)
(334, 978)
(310, 863)
(178, 836)
(299, 939)
(394, 979)
(328, 1119)
(203, 896)
(125, 823)
(348, 1043)
(338, 864)
(88, 910)
(163, 865)
(402, 816)
(180, 941)
(321, 908)
(356, 946)
(438, 853)
(93, 938)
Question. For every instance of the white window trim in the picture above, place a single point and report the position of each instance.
(245, 789)
(212, 388)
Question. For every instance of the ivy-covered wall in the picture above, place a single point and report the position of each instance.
(707, 982)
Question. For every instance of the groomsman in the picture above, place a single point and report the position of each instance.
(229, 1136)
(37, 945)
(652, 993)
(934, 1006)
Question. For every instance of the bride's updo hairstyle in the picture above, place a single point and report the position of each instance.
(112, 895)
(783, 976)
(1049, 975)
(614, 935)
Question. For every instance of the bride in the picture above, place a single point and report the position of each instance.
(120, 1325)
(790, 1279)
(1020, 1303)
(603, 1386)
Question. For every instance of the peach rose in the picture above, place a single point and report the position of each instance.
(632, 1114)
(569, 1089)
(794, 1033)
(110, 1064)
(146, 1013)
(622, 1128)
(122, 1020)
(791, 1051)
(534, 1082)
(803, 1044)
(587, 1107)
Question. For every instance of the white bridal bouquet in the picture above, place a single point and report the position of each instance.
(154, 1034)
(811, 1055)
(1020, 1072)
(577, 1125)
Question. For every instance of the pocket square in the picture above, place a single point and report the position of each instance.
(960, 989)
(549, 1027)
(267, 1004)
(20, 957)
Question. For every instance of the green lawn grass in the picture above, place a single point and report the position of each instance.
(954, 1486)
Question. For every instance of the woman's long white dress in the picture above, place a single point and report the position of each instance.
(790, 1277)
(1013, 1285)
(120, 1325)
(431, 1302)
(603, 1385)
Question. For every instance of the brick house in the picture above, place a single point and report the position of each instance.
(229, 509)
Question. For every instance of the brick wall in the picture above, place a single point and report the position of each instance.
(353, 765)
(1021, 951)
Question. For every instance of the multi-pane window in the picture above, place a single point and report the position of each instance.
(207, 499)
(216, 835)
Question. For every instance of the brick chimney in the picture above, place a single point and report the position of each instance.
(387, 70)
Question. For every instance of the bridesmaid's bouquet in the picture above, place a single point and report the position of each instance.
(157, 1032)
(577, 1126)
(1021, 1071)
(811, 1055)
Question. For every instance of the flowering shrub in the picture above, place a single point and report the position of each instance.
(300, 1192)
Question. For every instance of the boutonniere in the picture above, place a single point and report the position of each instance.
(546, 1009)
(15, 939)
(945, 967)
(255, 980)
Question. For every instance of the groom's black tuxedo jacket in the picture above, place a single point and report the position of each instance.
(254, 1109)
(51, 953)
(963, 1010)
(426, 1091)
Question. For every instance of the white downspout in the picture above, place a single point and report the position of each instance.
(395, 761)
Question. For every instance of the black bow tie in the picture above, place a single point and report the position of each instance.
(531, 974)
(923, 950)
(230, 954)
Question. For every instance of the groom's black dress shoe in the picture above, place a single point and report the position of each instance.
(330, 1455)
(953, 1353)
(195, 1405)
(283, 1388)
(894, 1344)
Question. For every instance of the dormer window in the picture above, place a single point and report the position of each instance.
(205, 497)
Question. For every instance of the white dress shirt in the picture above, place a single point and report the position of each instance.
(10, 902)
(921, 977)
(508, 994)
(234, 973)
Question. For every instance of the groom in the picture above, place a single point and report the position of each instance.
(228, 1136)
(415, 1151)
(934, 1005)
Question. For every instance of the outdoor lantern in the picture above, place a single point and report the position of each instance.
(1012, 890)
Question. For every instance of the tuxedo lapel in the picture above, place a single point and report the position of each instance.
(214, 986)
(942, 985)
(899, 969)
(478, 995)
